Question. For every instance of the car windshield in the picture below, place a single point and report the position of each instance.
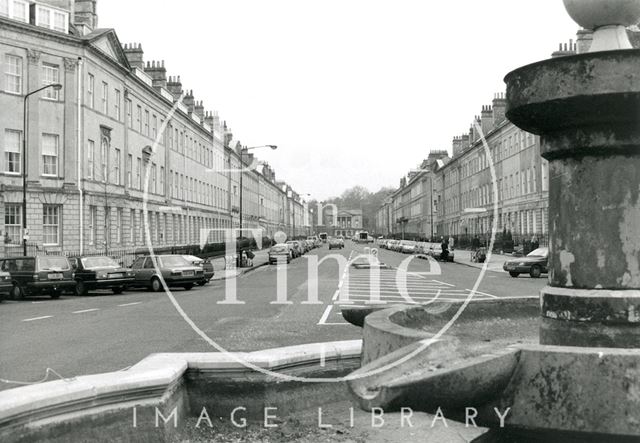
(99, 262)
(48, 263)
(540, 252)
(173, 260)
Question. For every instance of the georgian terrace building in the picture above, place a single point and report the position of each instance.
(114, 129)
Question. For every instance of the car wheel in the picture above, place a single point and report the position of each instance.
(156, 285)
(535, 272)
(188, 287)
(514, 274)
(17, 293)
(81, 288)
(202, 283)
(56, 294)
(118, 291)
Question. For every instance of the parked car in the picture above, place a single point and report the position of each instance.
(408, 247)
(335, 243)
(205, 264)
(535, 264)
(175, 269)
(295, 248)
(92, 273)
(303, 247)
(392, 245)
(5, 284)
(435, 250)
(280, 252)
(38, 275)
(315, 240)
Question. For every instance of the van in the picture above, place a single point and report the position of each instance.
(38, 275)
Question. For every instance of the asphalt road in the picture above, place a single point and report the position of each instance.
(104, 332)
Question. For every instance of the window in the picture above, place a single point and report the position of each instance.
(12, 151)
(91, 159)
(132, 226)
(20, 10)
(91, 87)
(161, 180)
(105, 98)
(51, 224)
(50, 75)
(139, 119)
(93, 224)
(59, 21)
(116, 166)
(13, 222)
(118, 104)
(154, 128)
(104, 149)
(130, 113)
(138, 173)
(13, 74)
(49, 154)
(43, 17)
(107, 225)
(119, 225)
(129, 170)
(153, 178)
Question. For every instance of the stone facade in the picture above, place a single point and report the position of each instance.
(119, 129)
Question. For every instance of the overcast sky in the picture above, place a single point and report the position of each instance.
(354, 92)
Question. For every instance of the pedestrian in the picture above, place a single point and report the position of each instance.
(7, 239)
(445, 250)
(451, 242)
(535, 244)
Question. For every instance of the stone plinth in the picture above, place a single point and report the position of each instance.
(586, 108)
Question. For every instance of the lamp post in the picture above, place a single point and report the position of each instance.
(242, 151)
(57, 87)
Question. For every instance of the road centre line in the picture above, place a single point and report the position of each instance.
(38, 318)
(131, 304)
(325, 315)
(85, 310)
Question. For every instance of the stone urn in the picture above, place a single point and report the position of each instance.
(607, 18)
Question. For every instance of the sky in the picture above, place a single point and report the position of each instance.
(353, 92)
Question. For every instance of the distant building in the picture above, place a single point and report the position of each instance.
(344, 222)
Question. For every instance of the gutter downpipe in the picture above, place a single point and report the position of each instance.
(79, 153)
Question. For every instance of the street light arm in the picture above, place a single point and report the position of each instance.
(56, 86)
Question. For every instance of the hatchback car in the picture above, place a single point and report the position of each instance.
(280, 252)
(408, 247)
(92, 273)
(175, 270)
(206, 266)
(38, 275)
(295, 248)
(535, 264)
(336, 243)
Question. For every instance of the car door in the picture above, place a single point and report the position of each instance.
(138, 268)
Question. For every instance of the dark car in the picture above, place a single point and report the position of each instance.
(280, 253)
(38, 275)
(92, 273)
(534, 264)
(206, 266)
(5, 284)
(175, 270)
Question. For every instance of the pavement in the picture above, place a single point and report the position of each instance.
(222, 273)
(495, 261)
(44, 339)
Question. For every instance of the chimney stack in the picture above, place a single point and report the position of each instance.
(199, 109)
(208, 119)
(499, 108)
(135, 55)
(486, 120)
(584, 41)
(189, 101)
(85, 17)
(174, 85)
(158, 74)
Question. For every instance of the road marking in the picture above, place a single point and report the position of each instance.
(325, 316)
(131, 304)
(37, 302)
(443, 283)
(38, 318)
(86, 310)
(483, 293)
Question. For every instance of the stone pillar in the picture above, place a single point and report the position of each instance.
(586, 108)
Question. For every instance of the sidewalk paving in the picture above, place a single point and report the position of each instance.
(222, 273)
(495, 263)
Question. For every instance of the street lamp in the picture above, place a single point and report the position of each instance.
(57, 87)
(242, 151)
